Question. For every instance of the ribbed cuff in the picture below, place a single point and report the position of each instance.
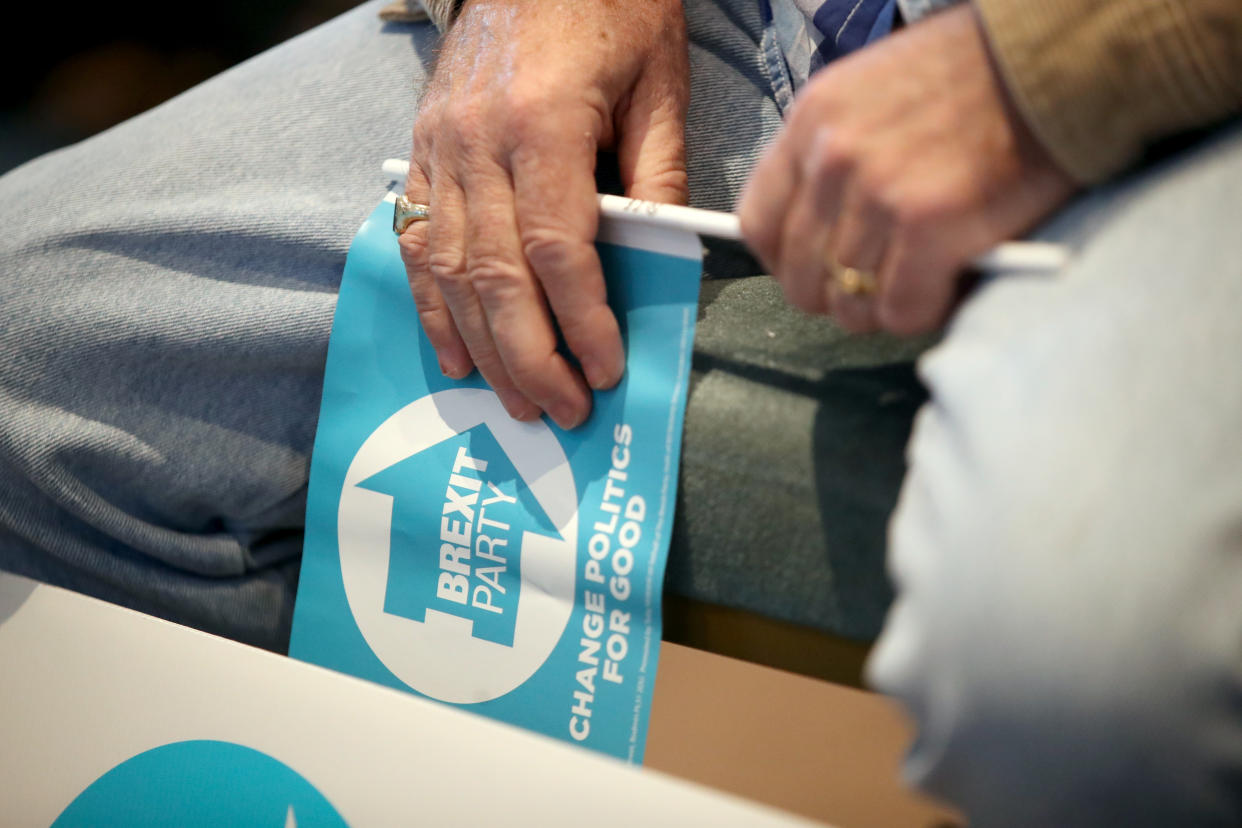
(440, 12)
(1099, 81)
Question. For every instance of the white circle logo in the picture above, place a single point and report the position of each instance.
(441, 656)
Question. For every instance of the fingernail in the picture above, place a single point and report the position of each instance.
(453, 370)
(596, 376)
(567, 415)
(518, 406)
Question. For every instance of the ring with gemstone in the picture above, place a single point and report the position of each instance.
(406, 212)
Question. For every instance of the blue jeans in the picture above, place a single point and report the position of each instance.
(168, 292)
(1068, 543)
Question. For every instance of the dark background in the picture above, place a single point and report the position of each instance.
(71, 69)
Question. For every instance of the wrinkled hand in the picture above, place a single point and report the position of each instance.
(523, 96)
(904, 160)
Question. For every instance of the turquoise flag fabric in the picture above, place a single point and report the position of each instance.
(513, 569)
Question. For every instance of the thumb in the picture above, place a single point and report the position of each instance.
(651, 150)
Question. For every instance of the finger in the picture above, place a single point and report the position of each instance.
(827, 173)
(765, 202)
(652, 150)
(859, 241)
(807, 266)
(517, 313)
(447, 262)
(803, 269)
(433, 313)
(918, 284)
(557, 216)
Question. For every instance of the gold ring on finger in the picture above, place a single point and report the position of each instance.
(855, 282)
(406, 212)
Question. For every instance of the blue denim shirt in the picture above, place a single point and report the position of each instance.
(801, 36)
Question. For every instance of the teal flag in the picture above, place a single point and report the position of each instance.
(513, 569)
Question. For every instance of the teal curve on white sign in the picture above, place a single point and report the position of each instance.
(514, 569)
(200, 784)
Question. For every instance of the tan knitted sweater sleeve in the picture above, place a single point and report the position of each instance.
(1099, 80)
(440, 12)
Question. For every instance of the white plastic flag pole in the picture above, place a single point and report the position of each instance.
(1030, 257)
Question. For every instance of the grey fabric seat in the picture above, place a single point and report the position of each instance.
(792, 459)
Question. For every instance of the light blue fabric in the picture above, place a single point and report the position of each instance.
(812, 33)
(1068, 543)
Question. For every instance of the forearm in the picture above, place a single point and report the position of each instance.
(1098, 82)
